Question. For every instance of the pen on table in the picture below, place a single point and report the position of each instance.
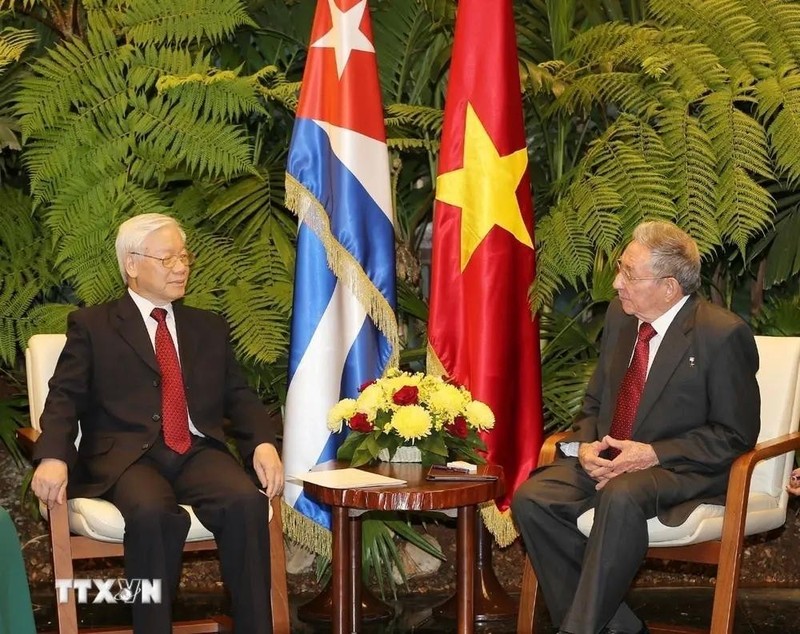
(447, 467)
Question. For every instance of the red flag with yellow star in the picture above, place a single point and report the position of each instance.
(480, 329)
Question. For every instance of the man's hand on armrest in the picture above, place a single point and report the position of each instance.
(49, 481)
(268, 468)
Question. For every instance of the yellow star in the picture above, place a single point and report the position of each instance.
(485, 189)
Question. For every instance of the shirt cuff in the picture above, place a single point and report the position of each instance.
(569, 449)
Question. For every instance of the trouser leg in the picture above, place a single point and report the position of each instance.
(614, 552)
(545, 509)
(155, 531)
(228, 503)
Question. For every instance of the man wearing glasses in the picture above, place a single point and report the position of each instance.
(150, 381)
(672, 402)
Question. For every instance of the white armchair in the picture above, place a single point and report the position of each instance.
(756, 500)
(87, 528)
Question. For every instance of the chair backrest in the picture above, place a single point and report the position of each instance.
(41, 356)
(779, 382)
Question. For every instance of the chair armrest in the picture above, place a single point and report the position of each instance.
(738, 492)
(742, 468)
(27, 437)
(547, 454)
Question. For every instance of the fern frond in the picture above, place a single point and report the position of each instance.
(422, 118)
(779, 25)
(76, 152)
(183, 21)
(595, 201)
(207, 148)
(723, 27)
(405, 144)
(88, 258)
(212, 96)
(42, 319)
(275, 87)
(737, 138)
(15, 301)
(75, 73)
(643, 188)
(629, 90)
(613, 43)
(779, 105)
(151, 62)
(694, 176)
(692, 68)
(746, 208)
(247, 208)
(13, 43)
(412, 50)
(562, 247)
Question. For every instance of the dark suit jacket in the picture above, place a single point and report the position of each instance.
(107, 378)
(700, 408)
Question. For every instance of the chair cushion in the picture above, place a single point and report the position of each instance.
(101, 520)
(705, 522)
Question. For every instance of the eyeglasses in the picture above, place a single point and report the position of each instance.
(187, 259)
(622, 270)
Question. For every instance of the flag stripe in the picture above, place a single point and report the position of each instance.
(344, 331)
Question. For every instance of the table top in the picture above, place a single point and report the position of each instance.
(418, 494)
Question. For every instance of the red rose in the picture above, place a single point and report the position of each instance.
(359, 422)
(458, 427)
(365, 385)
(406, 395)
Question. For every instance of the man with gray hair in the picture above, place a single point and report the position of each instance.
(151, 382)
(673, 401)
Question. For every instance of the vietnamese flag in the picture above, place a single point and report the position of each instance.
(480, 330)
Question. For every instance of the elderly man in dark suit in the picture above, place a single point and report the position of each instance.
(672, 403)
(151, 381)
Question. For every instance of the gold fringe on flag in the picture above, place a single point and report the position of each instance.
(306, 532)
(344, 266)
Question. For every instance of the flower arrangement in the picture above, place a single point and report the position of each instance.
(437, 416)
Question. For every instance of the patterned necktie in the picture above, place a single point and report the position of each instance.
(630, 391)
(174, 416)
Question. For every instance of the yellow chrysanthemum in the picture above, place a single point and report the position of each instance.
(342, 411)
(371, 400)
(447, 400)
(479, 415)
(411, 422)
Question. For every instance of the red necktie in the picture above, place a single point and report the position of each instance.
(630, 391)
(174, 417)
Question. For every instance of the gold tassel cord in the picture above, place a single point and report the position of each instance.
(500, 524)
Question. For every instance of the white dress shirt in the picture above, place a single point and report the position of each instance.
(660, 325)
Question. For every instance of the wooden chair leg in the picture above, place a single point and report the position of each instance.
(280, 593)
(67, 612)
(527, 599)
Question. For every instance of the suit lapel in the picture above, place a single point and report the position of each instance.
(132, 329)
(670, 353)
(187, 343)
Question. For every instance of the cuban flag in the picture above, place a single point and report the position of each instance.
(344, 329)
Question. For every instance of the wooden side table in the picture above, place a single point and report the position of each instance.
(417, 495)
